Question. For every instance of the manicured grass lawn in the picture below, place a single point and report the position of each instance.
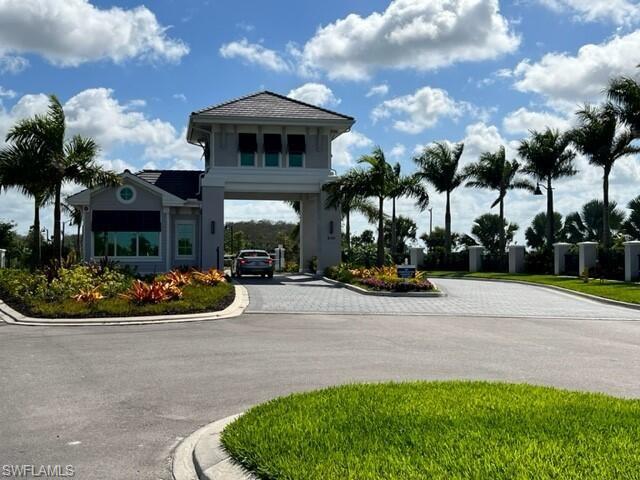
(196, 298)
(439, 430)
(622, 291)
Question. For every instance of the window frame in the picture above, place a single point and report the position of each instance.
(177, 254)
(122, 200)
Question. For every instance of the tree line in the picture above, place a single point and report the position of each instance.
(603, 133)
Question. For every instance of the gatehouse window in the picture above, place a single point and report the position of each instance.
(126, 244)
(185, 239)
(126, 194)
(272, 149)
(247, 148)
(296, 148)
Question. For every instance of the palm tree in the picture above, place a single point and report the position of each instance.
(625, 93)
(75, 214)
(548, 158)
(346, 193)
(20, 167)
(404, 185)
(486, 230)
(494, 172)
(601, 139)
(631, 226)
(376, 181)
(587, 224)
(535, 234)
(65, 160)
(438, 165)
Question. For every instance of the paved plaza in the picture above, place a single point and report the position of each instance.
(304, 294)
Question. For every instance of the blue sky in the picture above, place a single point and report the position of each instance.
(410, 72)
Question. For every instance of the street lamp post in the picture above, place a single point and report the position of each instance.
(430, 221)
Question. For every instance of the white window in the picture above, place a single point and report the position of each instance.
(185, 239)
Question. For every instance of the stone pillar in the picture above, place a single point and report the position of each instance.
(475, 258)
(417, 256)
(516, 258)
(280, 258)
(212, 230)
(3, 258)
(309, 227)
(588, 252)
(632, 261)
(329, 235)
(560, 249)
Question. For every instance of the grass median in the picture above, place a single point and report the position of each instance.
(613, 290)
(439, 430)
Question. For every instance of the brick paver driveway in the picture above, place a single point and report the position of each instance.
(304, 294)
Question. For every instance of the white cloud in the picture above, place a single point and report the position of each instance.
(566, 79)
(7, 92)
(420, 110)
(621, 12)
(378, 90)
(255, 53)
(75, 31)
(180, 96)
(416, 34)
(12, 63)
(523, 120)
(398, 150)
(315, 94)
(344, 148)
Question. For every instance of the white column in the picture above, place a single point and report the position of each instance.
(3, 258)
(560, 249)
(329, 234)
(212, 231)
(632, 261)
(168, 251)
(308, 230)
(416, 256)
(516, 258)
(475, 258)
(280, 258)
(588, 256)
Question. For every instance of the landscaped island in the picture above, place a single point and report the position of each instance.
(105, 290)
(438, 430)
(382, 279)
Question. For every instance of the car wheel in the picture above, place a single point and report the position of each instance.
(270, 275)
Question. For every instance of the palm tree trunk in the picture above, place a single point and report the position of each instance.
(394, 233)
(37, 252)
(550, 219)
(57, 214)
(605, 210)
(380, 253)
(503, 239)
(447, 225)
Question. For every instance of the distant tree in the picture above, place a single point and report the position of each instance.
(406, 230)
(548, 158)
(494, 172)
(536, 233)
(9, 238)
(486, 230)
(587, 224)
(601, 138)
(631, 226)
(366, 237)
(436, 240)
(438, 165)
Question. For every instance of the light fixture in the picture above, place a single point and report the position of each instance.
(213, 228)
(331, 227)
(537, 191)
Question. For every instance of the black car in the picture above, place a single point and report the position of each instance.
(252, 262)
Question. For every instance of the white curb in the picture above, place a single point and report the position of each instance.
(237, 307)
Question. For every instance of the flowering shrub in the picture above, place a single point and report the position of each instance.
(397, 284)
(379, 278)
(154, 292)
(178, 278)
(211, 277)
(90, 295)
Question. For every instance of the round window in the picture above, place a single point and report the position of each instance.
(126, 194)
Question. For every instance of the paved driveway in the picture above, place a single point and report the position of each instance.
(304, 294)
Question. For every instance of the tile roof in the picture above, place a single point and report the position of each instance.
(181, 183)
(268, 104)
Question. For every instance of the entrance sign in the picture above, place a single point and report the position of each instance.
(406, 271)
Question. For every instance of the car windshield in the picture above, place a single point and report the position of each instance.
(254, 253)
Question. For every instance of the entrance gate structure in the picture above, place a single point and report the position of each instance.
(266, 146)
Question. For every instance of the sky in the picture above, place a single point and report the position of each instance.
(411, 72)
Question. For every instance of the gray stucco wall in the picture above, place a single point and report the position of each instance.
(225, 150)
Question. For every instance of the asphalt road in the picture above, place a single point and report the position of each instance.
(114, 401)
